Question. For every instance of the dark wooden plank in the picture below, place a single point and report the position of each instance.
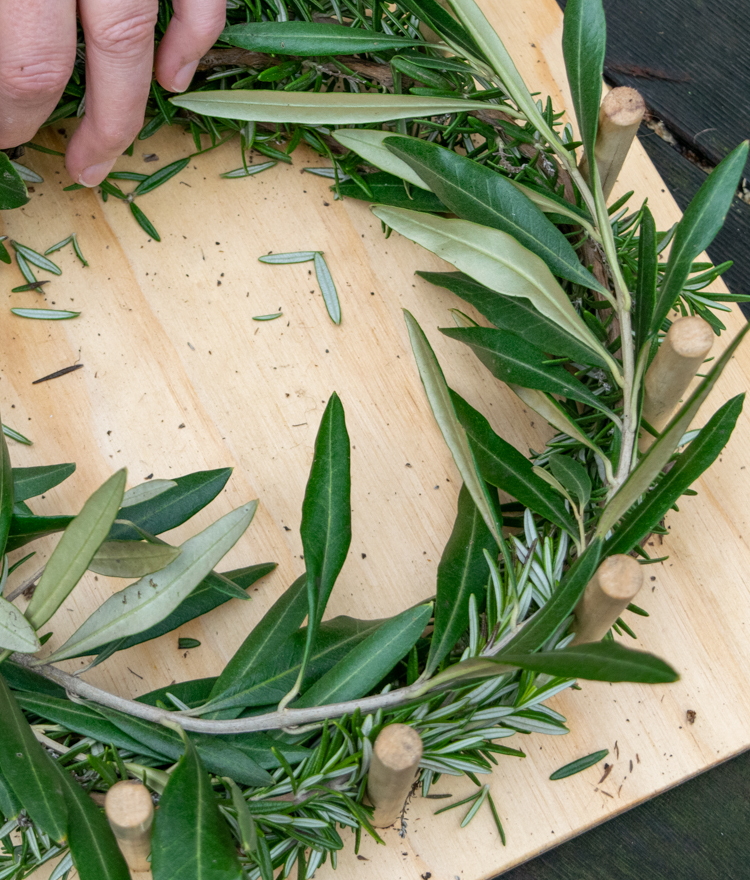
(697, 831)
(702, 48)
(683, 179)
(690, 61)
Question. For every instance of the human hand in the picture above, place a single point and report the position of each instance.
(37, 52)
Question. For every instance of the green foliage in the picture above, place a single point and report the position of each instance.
(190, 837)
(459, 135)
(462, 573)
(579, 765)
(310, 38)
(29, 770)
(701, 453)
(703, 218)
(157, 595)
(73, 554)
(518, 316)
(326, 529)
(12, 188)
(584, 43)
(95, 852)
(475, 192)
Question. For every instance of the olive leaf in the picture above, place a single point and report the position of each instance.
(149, 600)
(307, 38)
(512, 359)
(498, 261)
(550, 203)
(6, 493)
(95, 852)
(370, 661)
(385, 189)
(484, 35)
(454, 433)
(279, 623)
(132, 558)
(703, 218)
(12, 188)
(82, 719)
(597, 661)
(191, 839)
(32, 481)
(268, 681)
(584, 42)
(29, 770)
(659, 454)
(644, 300)
(173, 507)
(219, 755)
(368, 143)
(517, 315)
(475, 192)
(10, 806)
(462, 572)
(146, 491)
(549, 409)
(320, 108)
(16, 633)
(25, 528)
(209, 594)
(573, 476)
(326, 528)
(690, 464)
(75, 550)
(502, 465)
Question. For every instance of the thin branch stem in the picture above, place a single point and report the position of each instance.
(24, 585)
(287, 718)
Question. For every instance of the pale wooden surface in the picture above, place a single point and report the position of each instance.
(251, 395)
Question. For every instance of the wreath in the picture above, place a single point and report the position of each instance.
(421, 111)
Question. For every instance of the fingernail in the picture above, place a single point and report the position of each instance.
(184, 76)
(95, 174)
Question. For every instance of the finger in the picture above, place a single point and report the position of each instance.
(37, 52)
(194, 28)
(119, 55)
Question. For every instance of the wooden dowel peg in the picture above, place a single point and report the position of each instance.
(395, 759)
(608, 594)
(681, 353)
(620, 115)
(130, 811)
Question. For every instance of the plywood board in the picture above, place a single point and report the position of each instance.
(177, 377)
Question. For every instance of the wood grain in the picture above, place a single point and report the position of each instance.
(178, 377)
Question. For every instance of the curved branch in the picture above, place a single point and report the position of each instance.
(76, 688)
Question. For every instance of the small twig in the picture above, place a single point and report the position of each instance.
(25, 585)
(58, 373)
(81, 690)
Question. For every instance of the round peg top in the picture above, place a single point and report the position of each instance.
(398, 747)
(691, 337)
(129, 808)
(620, 577)
(623, 107)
